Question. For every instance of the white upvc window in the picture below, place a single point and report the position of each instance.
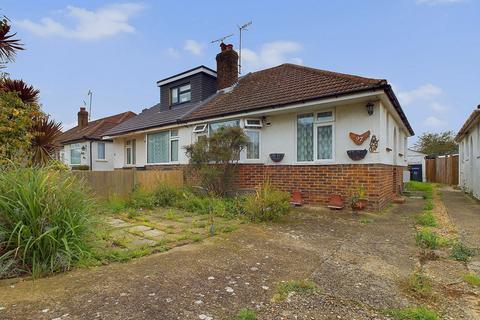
(130, 151)
(315, 137)
(253, 123)
(75, 154)
(101, 151)
(253, 145)
(200, 128)
(162, 147)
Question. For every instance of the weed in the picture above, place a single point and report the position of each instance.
(245, 314)
(267, 204)
(365, 220)
(228, 228)
(420, 284)
(428, 205)
(427, 239)
(461, 252)
(115, 204)
(170, 215)
(472, 279)
(414, 313)
(284, 289)
(196, 238)
(142, 199)
(419, 186)
(426, 219)
(166, 196)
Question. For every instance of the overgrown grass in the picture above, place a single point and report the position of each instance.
(414, 313)
(461, 252)
(426, 219)
(267, 204)
(420, 186)
(45, 221)
(245, 314)
(472, 279)
(365, 220)
(284, 289)
(427, 239)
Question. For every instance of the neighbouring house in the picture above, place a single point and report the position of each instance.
(417, 165)
(313, 131)
(82, 147)
(468, 139)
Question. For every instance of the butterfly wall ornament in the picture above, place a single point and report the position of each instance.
(359, 139)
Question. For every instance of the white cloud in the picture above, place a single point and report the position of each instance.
(173, 53)
(434, 122)
(194, 47)
(104, 22)
(438, 107)
(424, 93)
(435, 2)
(271, 54)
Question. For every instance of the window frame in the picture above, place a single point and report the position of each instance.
(171, 138)
(202, 128)
(316, 124)
(132, 147)
(259, 145)
(253, 126)
(179, 93)
(104, 151)
(76, 146)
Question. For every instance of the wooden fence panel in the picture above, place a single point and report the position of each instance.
(105, 184)
(443, 170)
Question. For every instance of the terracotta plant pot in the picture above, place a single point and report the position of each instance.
(360, 204)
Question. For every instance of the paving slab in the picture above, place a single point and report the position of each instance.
(140, 228)
(117, 223)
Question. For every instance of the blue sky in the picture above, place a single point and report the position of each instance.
(427, 49)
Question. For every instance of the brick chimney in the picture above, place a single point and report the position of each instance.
(82, 118)
(227, 66)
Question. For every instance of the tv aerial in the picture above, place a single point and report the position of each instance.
(240, 30)
(222, 38)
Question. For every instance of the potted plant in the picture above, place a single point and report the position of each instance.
(357, 200)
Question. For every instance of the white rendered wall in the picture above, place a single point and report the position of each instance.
(469, 161)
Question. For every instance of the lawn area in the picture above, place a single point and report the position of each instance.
(133, 232)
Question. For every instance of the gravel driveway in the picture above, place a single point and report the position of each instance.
(356, 261)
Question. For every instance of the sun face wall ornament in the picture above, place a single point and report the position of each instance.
(359, 139)
(373, 144)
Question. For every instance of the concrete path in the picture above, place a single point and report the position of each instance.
(465, 213)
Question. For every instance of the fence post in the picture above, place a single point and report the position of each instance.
(134, 172)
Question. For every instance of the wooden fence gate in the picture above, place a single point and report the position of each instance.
(105, 184)
(443, 170)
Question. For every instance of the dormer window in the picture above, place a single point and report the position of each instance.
(180, 94)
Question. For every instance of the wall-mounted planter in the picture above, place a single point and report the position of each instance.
(357, 155)
(277, 157)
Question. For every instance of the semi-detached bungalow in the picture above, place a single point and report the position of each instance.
(313, 131)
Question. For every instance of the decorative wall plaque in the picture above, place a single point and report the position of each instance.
(373, 144)
(359, 139)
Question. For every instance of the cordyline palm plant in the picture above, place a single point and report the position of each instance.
(26, 92)
(8, 45)
(45, 133)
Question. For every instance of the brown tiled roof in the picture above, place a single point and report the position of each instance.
(95, 129)
(280, 85)
(269, 88)
(468, 124)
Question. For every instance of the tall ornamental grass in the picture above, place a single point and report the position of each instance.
(45, 220)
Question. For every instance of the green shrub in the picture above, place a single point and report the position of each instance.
(461, 252)
(245, 314)
(427, 239)
(141, 199)
(166, 196)
(302, 287)
(415, 313)
(426, 219)
(267, 204)
(472, 279)
(45, 221)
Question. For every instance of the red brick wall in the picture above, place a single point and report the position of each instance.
(318, 182)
